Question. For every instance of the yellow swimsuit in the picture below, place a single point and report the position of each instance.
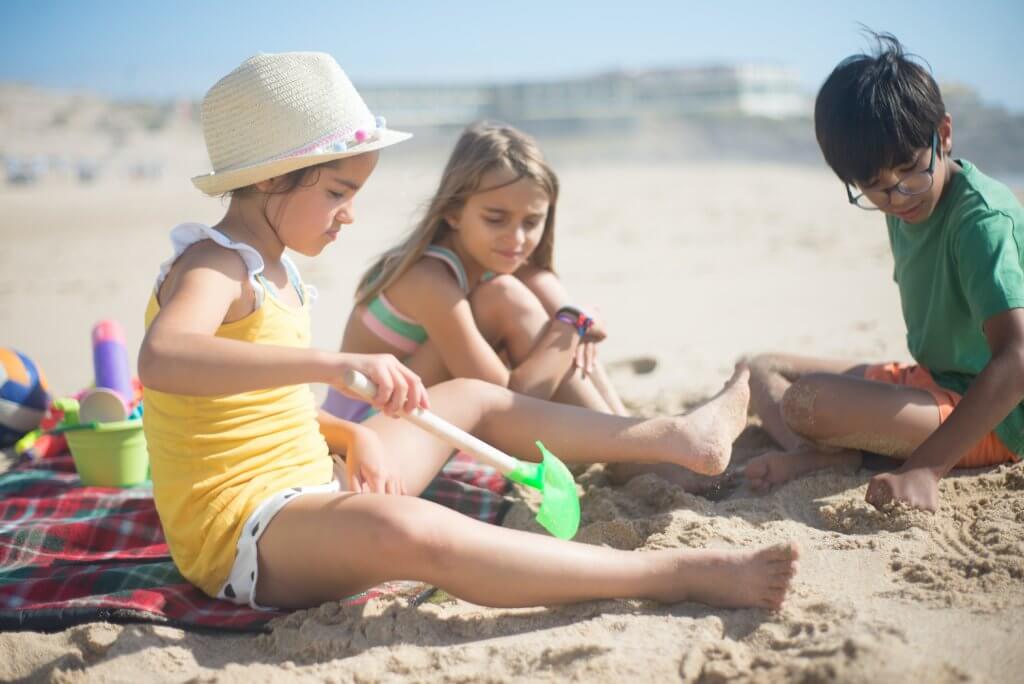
(215, 458)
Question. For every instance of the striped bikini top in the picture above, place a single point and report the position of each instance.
(395, 328)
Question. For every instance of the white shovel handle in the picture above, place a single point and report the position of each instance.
(437, 426)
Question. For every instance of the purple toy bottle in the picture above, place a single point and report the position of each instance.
(110, 359)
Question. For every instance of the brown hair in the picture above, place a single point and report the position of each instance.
(483, 147)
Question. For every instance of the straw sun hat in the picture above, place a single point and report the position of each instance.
(281, 112)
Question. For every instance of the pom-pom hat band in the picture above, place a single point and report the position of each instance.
(281, 112)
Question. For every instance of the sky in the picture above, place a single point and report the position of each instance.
(178, 49)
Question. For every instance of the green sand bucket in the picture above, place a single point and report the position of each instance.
(110, 454)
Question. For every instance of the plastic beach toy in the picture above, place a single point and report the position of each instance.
(109, 454)
(106, 454)
(559, 511)
(110, 359)
(102, 405)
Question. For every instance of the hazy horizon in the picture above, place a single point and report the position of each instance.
(148, 51)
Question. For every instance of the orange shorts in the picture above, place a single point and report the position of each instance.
(989, 451)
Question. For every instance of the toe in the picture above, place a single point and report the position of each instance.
(776, 597)
(742, 373)
(756, 470)
(784, 552)
(740, 376)
(788, 550)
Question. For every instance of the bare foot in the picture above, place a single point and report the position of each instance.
(704, 436)
(776, 467)
(758, 578)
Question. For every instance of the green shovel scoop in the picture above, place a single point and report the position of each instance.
(559, 511)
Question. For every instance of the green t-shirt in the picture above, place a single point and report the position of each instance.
(956, 270)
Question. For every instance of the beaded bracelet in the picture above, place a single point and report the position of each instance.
(576, 318)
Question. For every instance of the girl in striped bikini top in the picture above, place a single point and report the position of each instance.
(472, 291)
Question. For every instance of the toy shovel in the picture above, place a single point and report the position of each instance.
(559, 511)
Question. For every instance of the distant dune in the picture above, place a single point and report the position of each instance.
(57, 130)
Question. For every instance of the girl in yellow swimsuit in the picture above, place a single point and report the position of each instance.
(245, 487)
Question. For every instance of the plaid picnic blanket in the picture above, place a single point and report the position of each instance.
(72, 554)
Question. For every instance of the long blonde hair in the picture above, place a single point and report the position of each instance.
(482, 147)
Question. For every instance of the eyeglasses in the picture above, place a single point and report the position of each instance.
(912, 184)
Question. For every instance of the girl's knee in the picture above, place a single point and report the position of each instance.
(502, 293)
(506, 311)
(403, 531)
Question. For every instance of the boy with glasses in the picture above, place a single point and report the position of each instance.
(957, 238)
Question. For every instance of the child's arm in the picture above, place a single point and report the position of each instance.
(181, 354)
(367, 466)
(429, 294)
(553, 296)
(337, 432)
(546, 285)
(990, 398)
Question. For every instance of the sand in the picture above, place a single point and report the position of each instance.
(692, 266)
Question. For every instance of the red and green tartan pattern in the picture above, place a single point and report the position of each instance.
(72, 554)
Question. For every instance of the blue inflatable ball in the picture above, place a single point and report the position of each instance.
(24, 396)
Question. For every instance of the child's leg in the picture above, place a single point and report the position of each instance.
(604, 386)
(324, 547)
(832, 417)
(510, 316)
(699, 440)
(772, 374)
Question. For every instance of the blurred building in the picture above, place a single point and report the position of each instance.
(618, 98)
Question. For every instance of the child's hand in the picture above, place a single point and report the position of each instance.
(586, 357)
(598, 332)
(366, 466)
(399, 390)
(918, 487)
(586, 352)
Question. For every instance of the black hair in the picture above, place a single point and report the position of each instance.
(875, 112)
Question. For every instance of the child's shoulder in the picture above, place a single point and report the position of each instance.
(427, 278)
(982, 199)
(198, 246)
(984, 219)
(209, 254)
(203, 264)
